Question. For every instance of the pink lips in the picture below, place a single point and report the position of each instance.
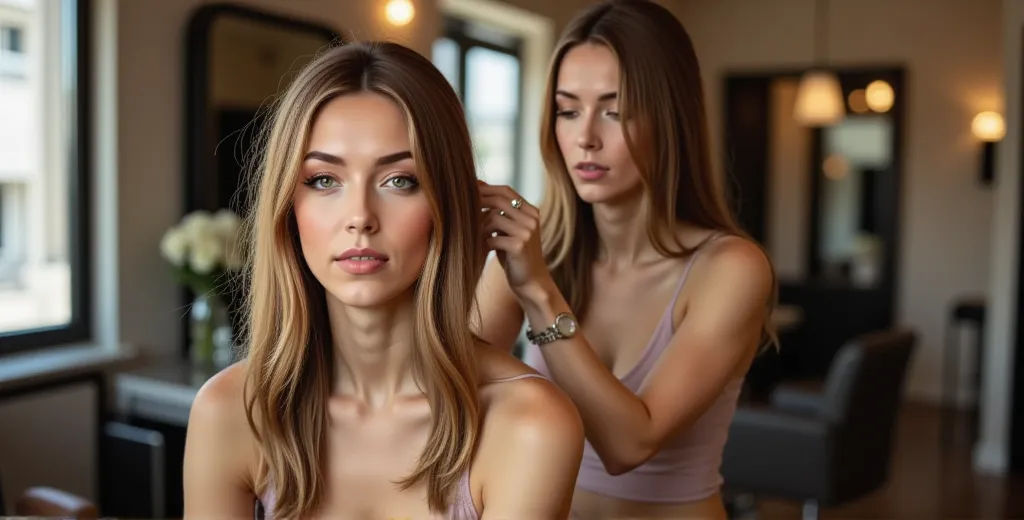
(361, 261)
(589, 170)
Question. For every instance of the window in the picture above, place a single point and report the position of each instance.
(43, 160)
(11, 40)
(12, 50)
(484, 67)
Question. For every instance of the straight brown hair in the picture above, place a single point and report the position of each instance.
(661, 93)
(290, 351)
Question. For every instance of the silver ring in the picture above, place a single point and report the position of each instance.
(517, 203)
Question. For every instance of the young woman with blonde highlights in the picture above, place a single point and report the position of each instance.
(645, 302)
(364, 393)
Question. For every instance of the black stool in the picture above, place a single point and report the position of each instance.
(964, 311)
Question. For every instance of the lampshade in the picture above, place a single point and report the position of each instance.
(819, 99)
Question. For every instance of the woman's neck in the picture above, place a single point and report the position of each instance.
(373, 351)
(622, 233)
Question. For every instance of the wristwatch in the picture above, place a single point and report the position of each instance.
(565, 327)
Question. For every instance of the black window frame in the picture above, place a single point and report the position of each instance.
(467, 35)
(75, 56)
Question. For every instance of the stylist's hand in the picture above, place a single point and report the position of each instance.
(518, 236)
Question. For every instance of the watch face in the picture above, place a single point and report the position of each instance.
(566, 325)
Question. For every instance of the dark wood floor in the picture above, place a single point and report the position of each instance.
(926, 482)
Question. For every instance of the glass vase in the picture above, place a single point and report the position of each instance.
(211, 347)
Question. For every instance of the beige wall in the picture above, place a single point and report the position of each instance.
(952, 51)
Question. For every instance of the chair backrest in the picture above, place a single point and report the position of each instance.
(863, 394)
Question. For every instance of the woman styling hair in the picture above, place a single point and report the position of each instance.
(645, 302)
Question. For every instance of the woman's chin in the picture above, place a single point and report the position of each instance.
(363, 297)
(603, 194)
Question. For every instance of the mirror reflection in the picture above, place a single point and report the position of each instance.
(819, 189)
(856, 151)
(826, 186)
(251, 60)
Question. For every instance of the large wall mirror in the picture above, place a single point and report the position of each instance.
(237, 61)
(823, 200)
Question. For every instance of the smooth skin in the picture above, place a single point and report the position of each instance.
(718, 315)
(358, 188)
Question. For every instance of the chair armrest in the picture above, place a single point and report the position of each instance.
(50, 502)
(777, 454)
(800, 399)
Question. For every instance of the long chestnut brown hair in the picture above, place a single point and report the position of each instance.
(660, 92)
(290, 354)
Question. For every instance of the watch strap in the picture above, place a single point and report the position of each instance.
(545, 336)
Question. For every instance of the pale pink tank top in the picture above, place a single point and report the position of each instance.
(687, 467)
(461, 508)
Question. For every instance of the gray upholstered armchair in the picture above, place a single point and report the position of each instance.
(826, 446)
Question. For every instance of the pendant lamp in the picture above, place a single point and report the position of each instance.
(819, 96)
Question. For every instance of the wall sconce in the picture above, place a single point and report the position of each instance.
(989, 128)
(399, 12)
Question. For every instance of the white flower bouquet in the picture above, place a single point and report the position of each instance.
(203, 247)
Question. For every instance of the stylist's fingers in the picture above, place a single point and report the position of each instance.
(502, 206)
(503, 197)
(508, 245)
(503, 225)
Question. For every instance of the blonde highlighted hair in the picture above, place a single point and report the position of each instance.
(288, 336)
(662, 97)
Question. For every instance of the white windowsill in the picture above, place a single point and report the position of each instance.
(47, 364)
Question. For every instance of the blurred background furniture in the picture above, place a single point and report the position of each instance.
(48, 502)
(969, 311)
(53, 503)
(824, 444)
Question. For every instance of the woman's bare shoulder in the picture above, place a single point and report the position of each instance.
(221, 398)
(524, 406)
(219, 447)
(530, 446)
(737, 260)
(733, 280)
(218, 413)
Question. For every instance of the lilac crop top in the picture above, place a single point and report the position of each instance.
(462, 508)
(687, 467)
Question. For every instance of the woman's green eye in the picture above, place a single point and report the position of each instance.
(320, 182)
(402, 182)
